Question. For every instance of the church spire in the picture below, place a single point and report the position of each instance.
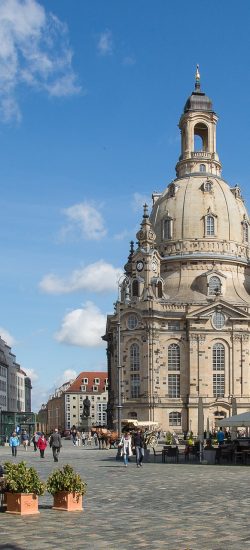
(197, 79)
(146, 236)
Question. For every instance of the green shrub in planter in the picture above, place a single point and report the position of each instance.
(20, 478)
(66, 479)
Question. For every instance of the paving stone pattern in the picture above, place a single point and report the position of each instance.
(184, 506)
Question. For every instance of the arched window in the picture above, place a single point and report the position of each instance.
(174, 365)
(134, 357)
(245, 232)
(218, 370)
(175, 418)
(202, 168)
(168, 228)
(208, 186)
(214, 286)
(132, 414)
(210, 225)
(173, 357)
(135, 288)
(159, 289)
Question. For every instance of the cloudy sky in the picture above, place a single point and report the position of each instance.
(90, 97)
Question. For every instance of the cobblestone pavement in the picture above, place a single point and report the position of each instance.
(159, 506)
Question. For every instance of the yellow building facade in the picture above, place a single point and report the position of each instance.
(180, 329)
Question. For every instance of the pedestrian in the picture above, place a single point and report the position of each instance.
(14, 442)
(95, 436)
(55, 443)
(25, 439)
(126, 447)
(42, 444)
(74, 435)
(139, 447)
(35, 440)
(220, 437)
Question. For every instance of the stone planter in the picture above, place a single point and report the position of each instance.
(69, 502)
(22, 503)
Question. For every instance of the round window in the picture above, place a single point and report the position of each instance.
(218, 320)
(132, 322)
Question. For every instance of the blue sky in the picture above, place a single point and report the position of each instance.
(91, 93)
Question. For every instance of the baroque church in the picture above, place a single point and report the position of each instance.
(180, 329)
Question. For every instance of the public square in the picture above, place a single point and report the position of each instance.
(185, 506)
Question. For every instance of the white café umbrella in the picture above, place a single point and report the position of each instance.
(237, 420)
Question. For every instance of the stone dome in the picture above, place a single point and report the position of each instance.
(201, 216)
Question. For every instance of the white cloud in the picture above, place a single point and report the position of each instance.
(105, 43)
(97, 277)
(139, 200)
(86, 218)
(129, 61)
(7, 337)
(32, 374)
(66, 376)
(35, 51)
(83, 327)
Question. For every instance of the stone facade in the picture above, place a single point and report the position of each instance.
(181, 325)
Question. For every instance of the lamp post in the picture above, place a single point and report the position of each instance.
(123, 280)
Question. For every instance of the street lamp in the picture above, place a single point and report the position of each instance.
(122, 282)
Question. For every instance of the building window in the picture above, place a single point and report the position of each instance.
(132, 415)
(95, 388)
(96, 380)
(174, 357)
(173, 325)
(214, 286)
(134, 357)
(159, 289)
(218, 320)
(218, 365)
(135, 288)
(175, 418)
(132, 322)
(168, 228)
(210, 226)
(218, 357)
(85, 380)
(202, 168)
(208, 185)
(218, 385)
(245, 232)
(174, 385)
(135, 385)
(83, 388)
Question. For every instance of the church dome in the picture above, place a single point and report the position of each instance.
(200, 215)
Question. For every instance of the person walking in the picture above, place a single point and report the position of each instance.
(55, 443)
(25, 439)
(139, 447)
(35, 440)
(220, 436)
(42, 444)
(14, 443)
(126, 447)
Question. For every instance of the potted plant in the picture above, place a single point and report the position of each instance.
(22, 488)
(67, 487)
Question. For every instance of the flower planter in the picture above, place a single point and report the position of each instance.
(22, 503)
(69, 502)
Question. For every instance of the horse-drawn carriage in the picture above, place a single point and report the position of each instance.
(149, 428)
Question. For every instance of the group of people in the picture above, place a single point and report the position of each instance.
(127, 443)
(39, 441)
